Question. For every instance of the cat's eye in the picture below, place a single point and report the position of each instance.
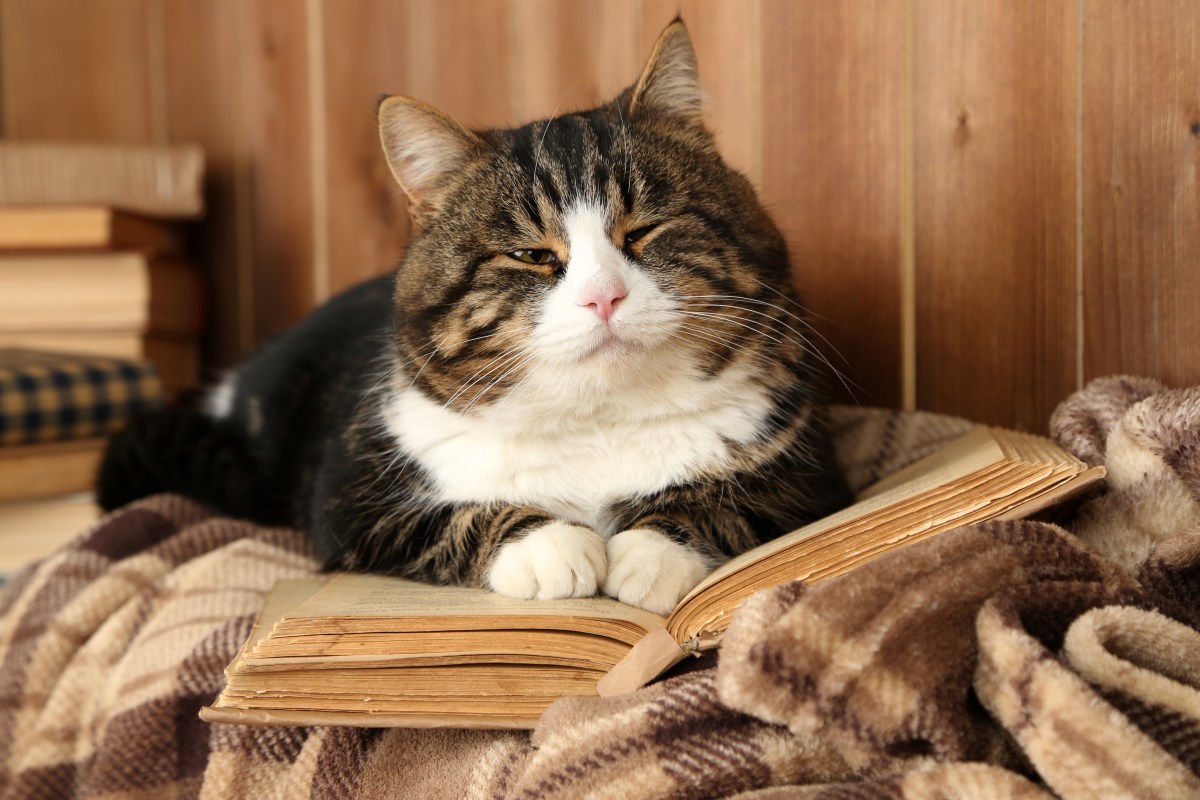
(635, 236)
(534, 256)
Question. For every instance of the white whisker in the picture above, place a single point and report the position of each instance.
(803, 340)
(500, 362)
(734, 321)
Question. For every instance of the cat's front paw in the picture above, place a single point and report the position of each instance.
(648, 570)
(555, 560)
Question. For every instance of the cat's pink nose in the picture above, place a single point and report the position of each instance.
(603, 299)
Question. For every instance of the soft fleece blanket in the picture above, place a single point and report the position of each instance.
(1007, 660)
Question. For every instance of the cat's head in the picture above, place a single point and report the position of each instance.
(588, 253)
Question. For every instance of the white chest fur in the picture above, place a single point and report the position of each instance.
(576, 464)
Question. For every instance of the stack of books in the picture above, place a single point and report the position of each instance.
(100, 315)
(92, 257)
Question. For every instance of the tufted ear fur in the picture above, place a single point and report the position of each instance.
(670, 83)
(425, 149)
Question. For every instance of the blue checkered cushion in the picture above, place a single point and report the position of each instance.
(54, 396)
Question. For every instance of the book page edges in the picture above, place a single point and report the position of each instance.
(655, 653)
(649, 658)
(284, 596)
(288, 717)
(350, 595)
(974, 451)
(978, 449)
(981, 444)
(1061, 493)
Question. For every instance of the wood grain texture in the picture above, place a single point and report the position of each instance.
(728, 38)
(995, 104)
(1141, 194)
(74, 71)
(274, 95)
(570, 57)
(367, 219)
(1032, 168)
(202, 74)
(458, 58)
(831, 104)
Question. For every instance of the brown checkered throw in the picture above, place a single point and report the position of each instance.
(1011, 660)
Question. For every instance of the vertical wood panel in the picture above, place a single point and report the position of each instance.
(832, 98)
(807, 98)
(364, 58)
(1141, 219)
(203, 72)
(571, 57)
(996, 87)
(458, 59)
(274, 97)
(728, 38)
(77, 71)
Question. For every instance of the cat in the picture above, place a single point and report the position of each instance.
(588, 373)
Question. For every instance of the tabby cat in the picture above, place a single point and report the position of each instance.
(587, 373)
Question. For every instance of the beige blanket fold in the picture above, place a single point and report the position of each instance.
(1007, 660)
(881, 661)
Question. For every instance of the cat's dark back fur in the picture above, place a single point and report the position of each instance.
(582, 290)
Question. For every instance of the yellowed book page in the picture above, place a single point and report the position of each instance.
(973, 452)
(587, 659)
(1029, 490)
(286, 595)
(811, 561)
(514, 697)
(406, 647)
(1021, 490)
(968, 481)
(1061, 493)
(350, 597)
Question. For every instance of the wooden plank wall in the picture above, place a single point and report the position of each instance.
(988, 203)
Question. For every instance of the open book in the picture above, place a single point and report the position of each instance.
(377, 651)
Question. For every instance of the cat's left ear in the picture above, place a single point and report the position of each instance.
(425, 149)
(670, 82)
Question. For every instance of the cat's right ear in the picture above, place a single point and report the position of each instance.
(670, 83)
(425, 149)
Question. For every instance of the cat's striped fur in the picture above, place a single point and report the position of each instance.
(589, 371)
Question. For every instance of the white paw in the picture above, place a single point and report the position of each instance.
(553, 561)
(648, 570)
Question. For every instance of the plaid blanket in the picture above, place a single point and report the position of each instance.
(1009, 660)
(48, 397)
